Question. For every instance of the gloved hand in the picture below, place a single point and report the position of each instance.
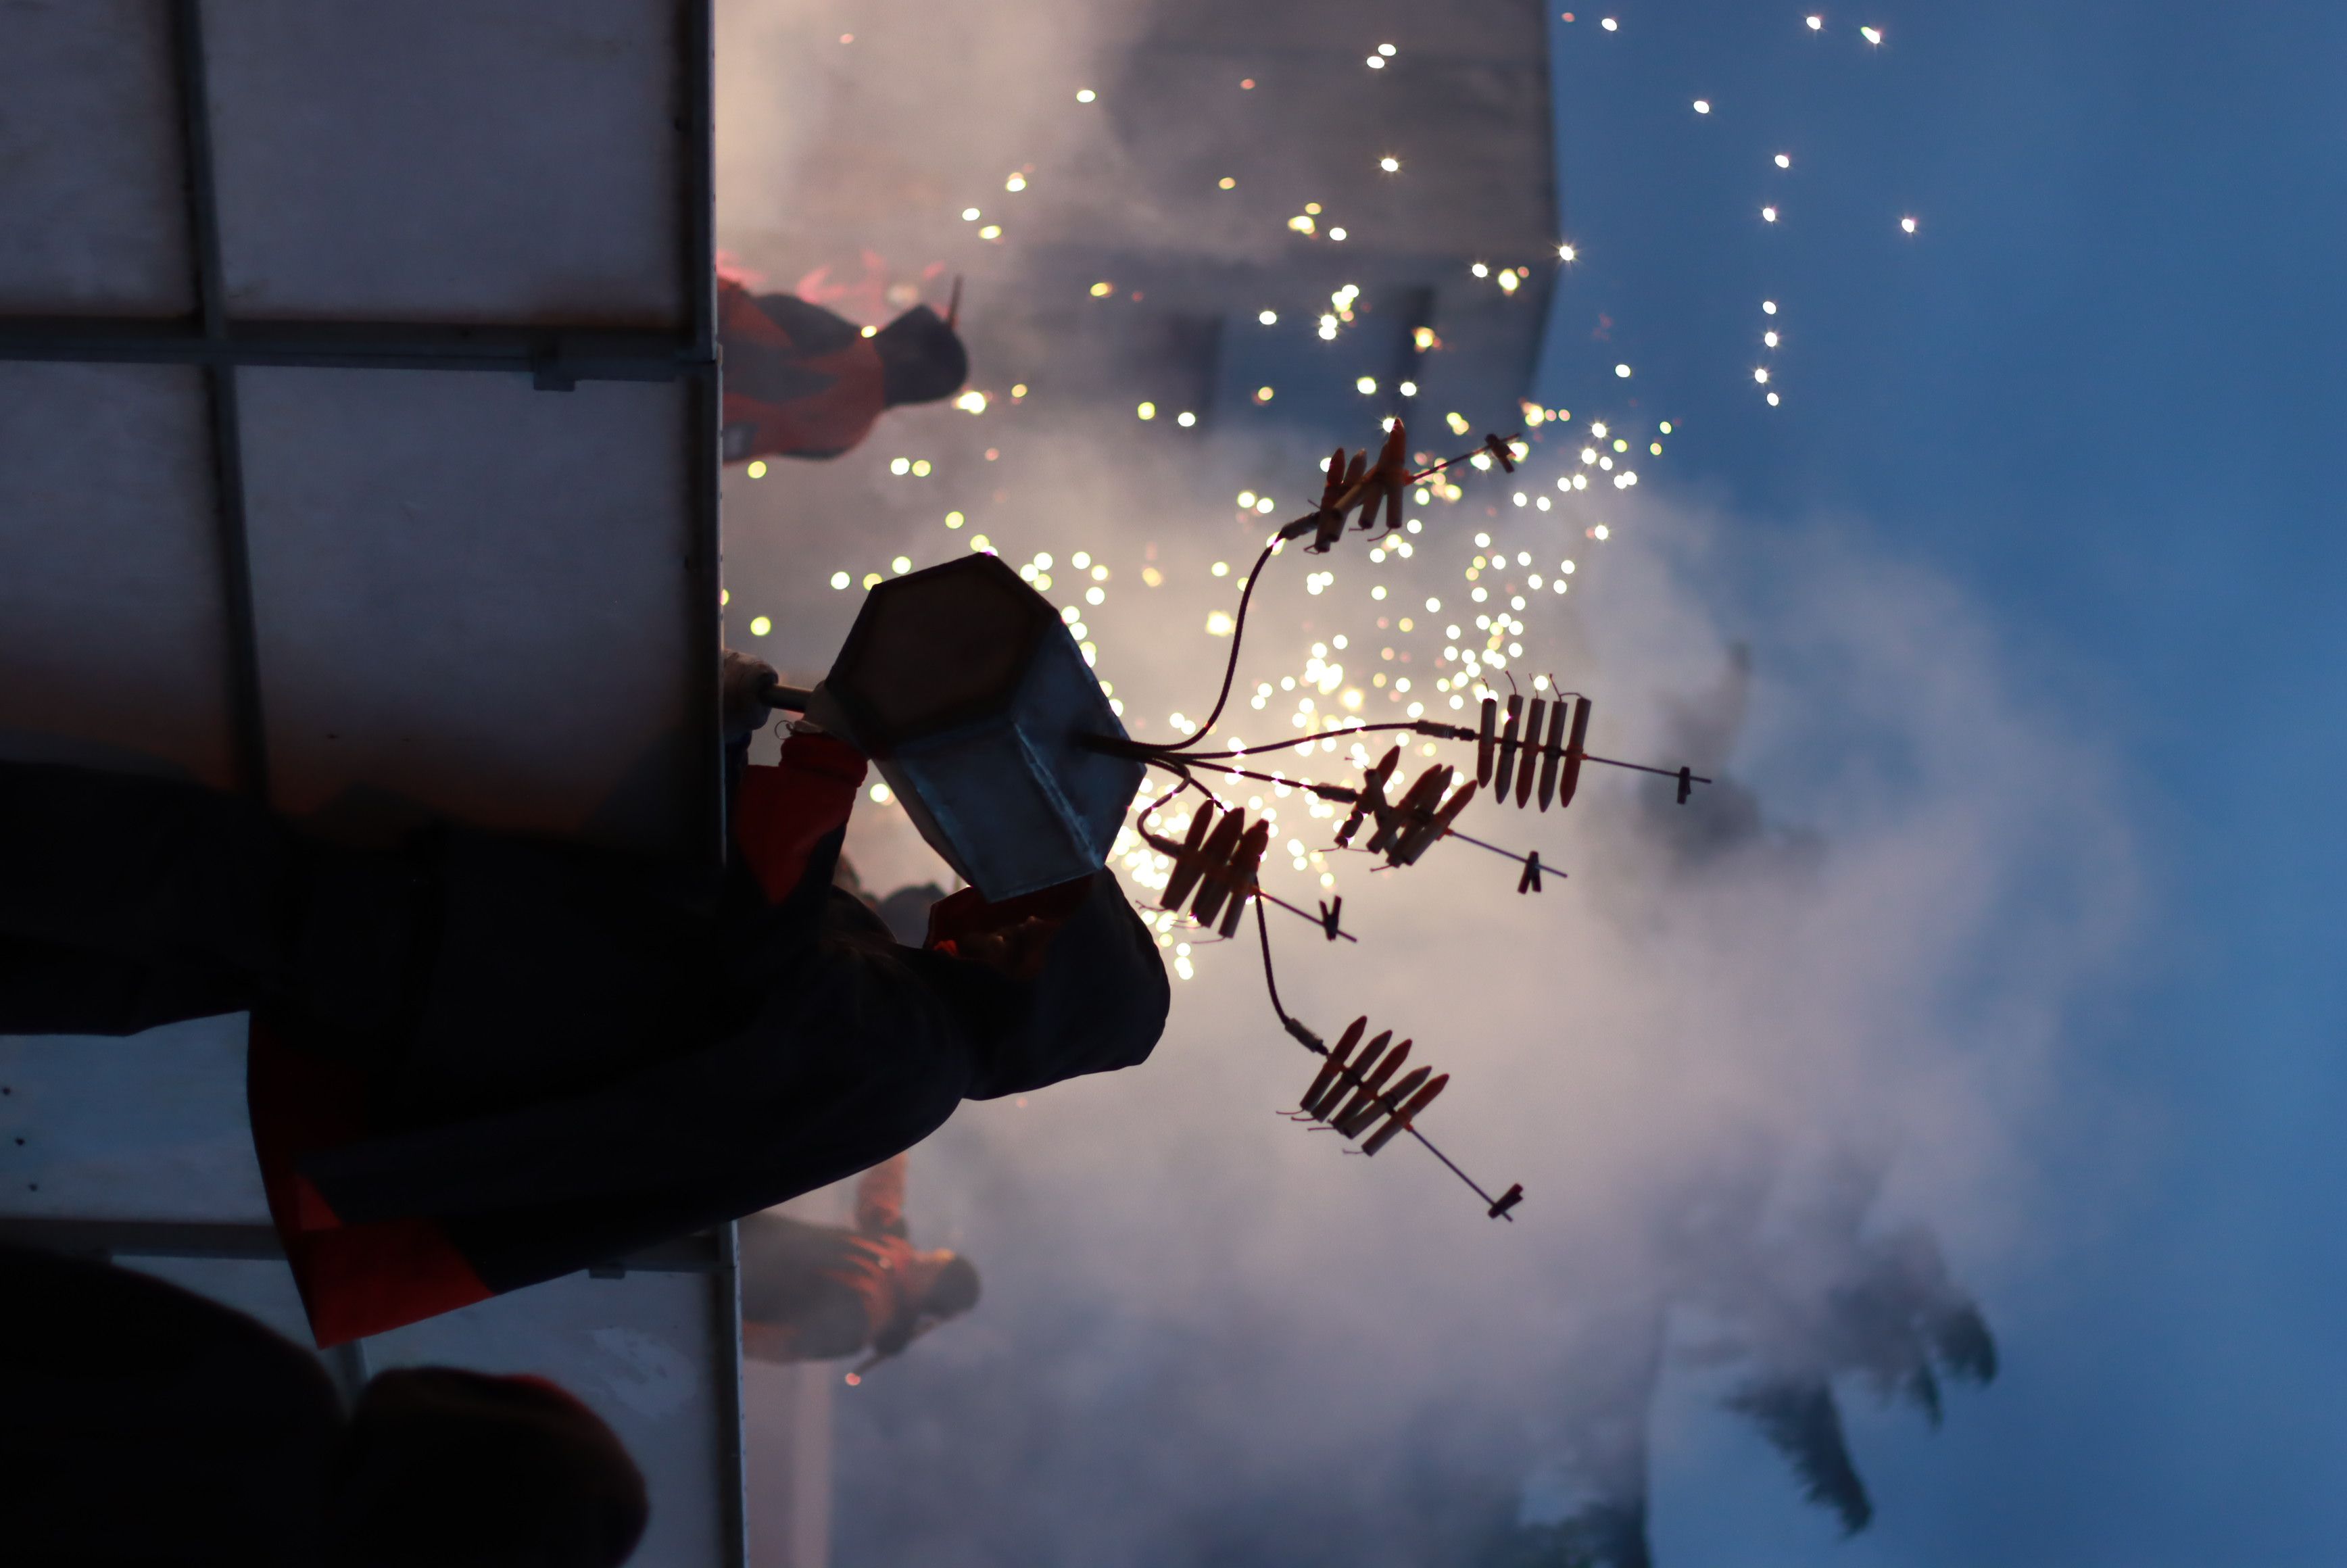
(746, 682)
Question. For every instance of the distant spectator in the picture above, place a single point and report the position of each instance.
(816, 1293)
(802, 382)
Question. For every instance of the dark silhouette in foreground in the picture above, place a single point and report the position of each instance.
(480, 1060)
(142, 1423)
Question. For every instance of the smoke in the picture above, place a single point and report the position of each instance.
(1208, 1334)
(1203, 1320)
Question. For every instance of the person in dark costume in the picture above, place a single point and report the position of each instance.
(802, 382)
(141, 1423)
(486, 1060)
(816, 1293)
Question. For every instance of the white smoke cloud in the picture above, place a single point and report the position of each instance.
(1892, 981)
(1205, 1329)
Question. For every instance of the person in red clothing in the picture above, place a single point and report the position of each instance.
(486, 1060)
(802, 382)
(816, 1293)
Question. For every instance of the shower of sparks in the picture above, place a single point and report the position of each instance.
(1421, 622)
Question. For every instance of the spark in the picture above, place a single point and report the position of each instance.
(1219, 623)
(901, 565)
(1815, 22)
(1365, 385)
(1085, 95)
(955, 519)
(1784, 161)
(840, 580)
(1390, 165)
(1262, 394)
(1386, 50)
(969, 214)
(1336, 233)
(759, 626)
(1703, 106)
(1768, 215)
(1907, 224)
(1871, 35)
(1268, 318)
(1408, 389)
(1102, 289)
(1610, 25)
(757, 470)
(1227, 183)
(1147, 411)
(1565, 254)
(1622, 371)
(1185, 419)
(972, 402)
(1301, 224)
(991, 231)
(1760, 374)
(1016, 183)
(1769, 307)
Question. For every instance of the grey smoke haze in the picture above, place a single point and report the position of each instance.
(1207, 1334)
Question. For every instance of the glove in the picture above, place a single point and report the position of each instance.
(746, 684)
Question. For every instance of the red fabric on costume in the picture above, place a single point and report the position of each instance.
(355, 1280)
(820, 424)
(785, 811)
(363, 1279)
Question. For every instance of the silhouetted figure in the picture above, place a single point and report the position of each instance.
(815, 1293)
(141, 1423)
(801, 381)
(1794, 1309)
(484, 1061)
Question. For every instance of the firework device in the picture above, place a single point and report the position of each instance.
(972, 698)
(968, 693)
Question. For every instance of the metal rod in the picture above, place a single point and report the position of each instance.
(582, 353)
(693, 1254)
(248, 734)
(697, 364)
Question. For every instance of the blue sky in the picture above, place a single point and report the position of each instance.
(2100, 389)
